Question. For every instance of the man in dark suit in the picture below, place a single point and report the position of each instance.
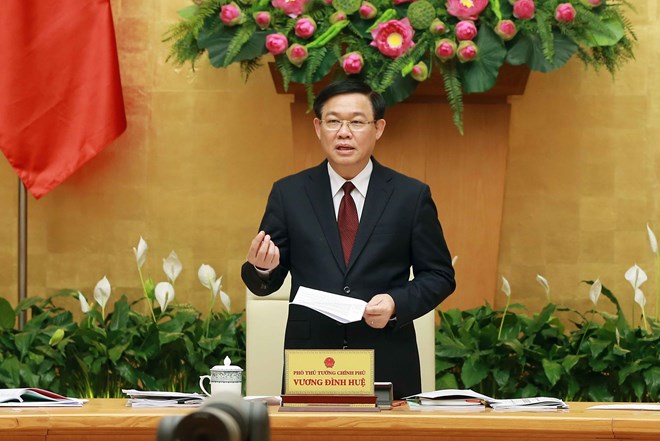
(361, 244)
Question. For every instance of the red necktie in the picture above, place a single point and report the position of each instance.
(347, 220)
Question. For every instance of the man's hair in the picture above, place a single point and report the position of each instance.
(350, 86)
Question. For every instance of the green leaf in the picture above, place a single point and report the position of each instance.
(652, 380)
(188, 11)
(150, 288)
(552, 371)
(569, 361)
(501, 376)
(7, 314)
(24, 341)
(474, 371)
(443, 365)
(9, 372)
(115, 353)
(399, 90)
(299, 74)
(217, 42)
(597, 346)
(120, 314)
(480, 75)
(447, 347)
(527, 49)
(599, 38)
(57, 336)
(447, 381)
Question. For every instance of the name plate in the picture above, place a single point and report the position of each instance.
(329, 371)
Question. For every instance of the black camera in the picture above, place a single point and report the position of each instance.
(225, 418)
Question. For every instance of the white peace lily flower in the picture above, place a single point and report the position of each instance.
(453, 260)
(595, 290)
(140, 252)
(217, 285)
(652, 240)
(206, 275)
(172, 266)
(164, 294)
(84, 306)
(226, 301)
(102, 292)
(506, 288)
(618, 336)
(544, 283)
(636, 276)
(640, 298)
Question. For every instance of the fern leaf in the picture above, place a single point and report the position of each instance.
(242, 36)
(454, 92)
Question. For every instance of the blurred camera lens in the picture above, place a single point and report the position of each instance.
(228, 418)
(208, 425)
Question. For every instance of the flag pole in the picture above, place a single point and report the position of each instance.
(22, 248)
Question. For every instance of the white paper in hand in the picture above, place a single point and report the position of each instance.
(341, 308)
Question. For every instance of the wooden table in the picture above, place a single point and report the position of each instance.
(110, 419)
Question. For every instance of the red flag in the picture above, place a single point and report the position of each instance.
(60, 91)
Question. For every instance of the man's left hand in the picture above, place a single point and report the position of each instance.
(379, 311)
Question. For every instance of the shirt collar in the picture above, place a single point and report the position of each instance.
(361, 181)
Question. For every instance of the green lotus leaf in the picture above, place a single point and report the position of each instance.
(528, 50)
(480, 75)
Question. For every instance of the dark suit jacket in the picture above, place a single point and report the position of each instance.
(398, 229)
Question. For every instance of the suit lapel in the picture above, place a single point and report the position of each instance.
(319, 194)
(379, 192)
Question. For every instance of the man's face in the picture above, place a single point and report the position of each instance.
(347, 150)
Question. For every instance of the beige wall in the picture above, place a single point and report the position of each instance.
(583, 177)
(194, 168)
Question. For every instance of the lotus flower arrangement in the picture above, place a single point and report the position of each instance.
(382, 41)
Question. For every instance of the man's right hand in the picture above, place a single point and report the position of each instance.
(263, 253)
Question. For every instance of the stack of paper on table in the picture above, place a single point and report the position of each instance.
(468, 397)
(144, 398)
(35, 397)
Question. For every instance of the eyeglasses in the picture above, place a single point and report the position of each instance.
(353, 126)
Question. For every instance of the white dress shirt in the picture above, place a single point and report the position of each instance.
(359, 193)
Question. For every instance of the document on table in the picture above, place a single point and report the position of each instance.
(141, 398)
(35, 397)
(340, 308)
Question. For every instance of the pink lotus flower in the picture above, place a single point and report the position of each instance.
(565, 13)
(297, 54)
(467, 51)
(230, 14)
(465, 30)
(305, 27)
(393, 37)
(337, 16)
(262, 18)
(506, 29)
(420, 71)
(445, 49)
(591, 3)
(524, 9)
(292, 8)
(367, 11)
(466, 9)
(398, 2)
(352, 63)
(276, 43)
(437, 27)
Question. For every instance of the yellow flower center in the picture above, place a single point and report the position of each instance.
(395, 39)
(467, 3)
